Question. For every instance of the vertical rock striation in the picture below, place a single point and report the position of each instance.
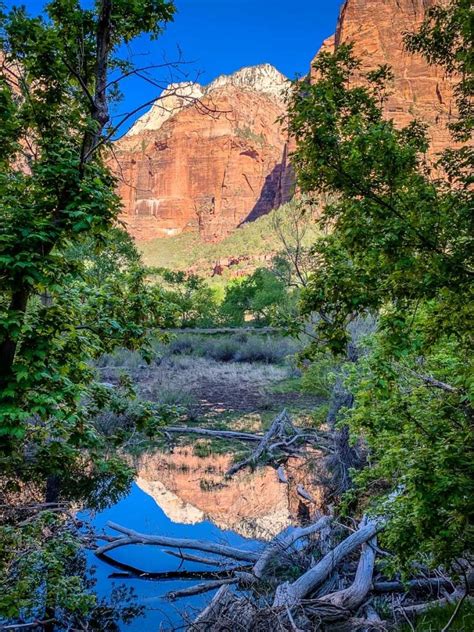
(376, 29)
(206, 159)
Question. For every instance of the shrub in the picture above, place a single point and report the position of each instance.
(319, 377)
(266, 350)
(222, 350)
(182, 345)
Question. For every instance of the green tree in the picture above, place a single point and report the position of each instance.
(399, 247)
(72, 286)
(255, 297)
(56, 193)
(190, 300)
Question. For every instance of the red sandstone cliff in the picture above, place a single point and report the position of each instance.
(376, 28)
(184, 168)
(207, 165)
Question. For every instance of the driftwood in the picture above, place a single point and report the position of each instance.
(282, 477)
(280, 545)
(301, 491)
(352, 597)
(217, 434)
(276, 430)
(430, 583)
(226, 611)
(332, 590)
(199, 559)
(288, 594)
(129, 536)
(282, 438)
(212, 611)
(198, 589)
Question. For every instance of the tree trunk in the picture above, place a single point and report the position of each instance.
(8, 346)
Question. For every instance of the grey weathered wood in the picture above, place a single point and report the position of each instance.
(198, 589)
(282, 475)
(301, 491)
(212, 611)
(281, 544)
(351, 598)
(290, 594)
(218, 434)
(430, 583)
(134, 537)
(275, 430)
(198, 558)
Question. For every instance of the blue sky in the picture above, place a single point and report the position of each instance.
(221, 36)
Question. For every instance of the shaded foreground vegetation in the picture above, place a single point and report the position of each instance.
(380, 386)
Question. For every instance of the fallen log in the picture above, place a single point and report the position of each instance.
(198, 589)
(289, 594)
(226, 612)
(280, 544)
(431, 583)
(213, 610)
(352, 597)
(276, 429)
(197, 558)
(421, 608)
(217, 434)
(133, 572)
(134, 537)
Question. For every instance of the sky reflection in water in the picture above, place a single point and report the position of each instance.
(139, 511)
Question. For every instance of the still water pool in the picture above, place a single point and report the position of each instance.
(141, 512)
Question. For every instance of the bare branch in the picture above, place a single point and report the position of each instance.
(134, 537)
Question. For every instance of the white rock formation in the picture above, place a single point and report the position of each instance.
(177, 96)
(262, 78)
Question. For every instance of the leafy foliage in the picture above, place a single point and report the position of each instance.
(399, 247)
(191, 301)
(72, 286)
(253, 297)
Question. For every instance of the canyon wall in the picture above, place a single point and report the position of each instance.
(206, 159)
(376, 29)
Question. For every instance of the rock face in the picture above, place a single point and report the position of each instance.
(206, 159)
(211, 164)
(376, 28)
(191, 489)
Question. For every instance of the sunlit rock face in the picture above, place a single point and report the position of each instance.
(176, 97)
(421, 91)
(191, 489)
(206, 159)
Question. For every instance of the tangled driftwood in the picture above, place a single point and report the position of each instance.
(331, 587)
(281, 441)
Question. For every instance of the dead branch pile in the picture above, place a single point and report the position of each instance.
(281, 441)
(303, 579)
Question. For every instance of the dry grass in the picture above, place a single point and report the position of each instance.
(193, 372)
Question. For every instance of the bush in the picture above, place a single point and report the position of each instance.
(266, 350)
(319, 377)
(181, 346)
(222, 350)
(238, 347)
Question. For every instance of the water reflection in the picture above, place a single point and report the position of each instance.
(182, 495)
(191, 489)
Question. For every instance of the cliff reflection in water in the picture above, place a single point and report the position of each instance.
(191, 489)
(185, 496)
